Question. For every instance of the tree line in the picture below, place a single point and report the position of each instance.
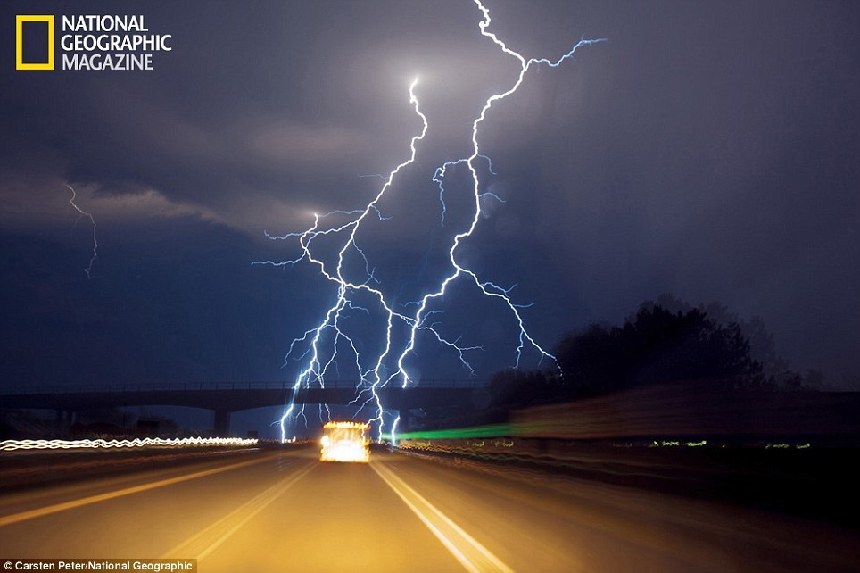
(667, 342)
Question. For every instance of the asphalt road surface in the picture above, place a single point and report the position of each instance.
(286, 511)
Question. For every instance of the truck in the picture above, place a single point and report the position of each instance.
(345, 442)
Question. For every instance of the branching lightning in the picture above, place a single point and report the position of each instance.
(82, 213)
(330, 337)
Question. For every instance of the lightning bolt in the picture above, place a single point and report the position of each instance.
(82, 213)
(324, 342)
(394, 430)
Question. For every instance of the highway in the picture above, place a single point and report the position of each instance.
(284, 511)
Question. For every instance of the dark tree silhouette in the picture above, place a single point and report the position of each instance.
(656, 346)
(762, 347)
(679, 345)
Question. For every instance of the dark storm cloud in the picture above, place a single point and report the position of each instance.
(271, 100)
(708, 150)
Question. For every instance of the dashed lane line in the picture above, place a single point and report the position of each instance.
(472, 555)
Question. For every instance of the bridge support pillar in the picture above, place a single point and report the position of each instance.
(222, 423)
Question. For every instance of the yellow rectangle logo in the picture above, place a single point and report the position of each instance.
(20, 64)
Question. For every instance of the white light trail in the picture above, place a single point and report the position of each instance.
(13, 445)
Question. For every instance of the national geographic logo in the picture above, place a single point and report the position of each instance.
(87, 42)
(37, 52)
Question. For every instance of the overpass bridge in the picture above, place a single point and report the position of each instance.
(224, 398)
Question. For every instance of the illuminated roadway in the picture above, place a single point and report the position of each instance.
(285, 511)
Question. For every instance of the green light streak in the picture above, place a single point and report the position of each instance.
(489, 431)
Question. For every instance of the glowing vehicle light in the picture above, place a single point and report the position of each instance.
(345, 442)
(12, 445)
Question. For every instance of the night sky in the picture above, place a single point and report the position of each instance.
(707, 149)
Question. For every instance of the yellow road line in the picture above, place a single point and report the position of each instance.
(66, 505)
(199, 544)
(471, 554)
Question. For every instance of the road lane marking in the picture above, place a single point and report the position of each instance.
(471, 554)
(199, 544)
(66, 505)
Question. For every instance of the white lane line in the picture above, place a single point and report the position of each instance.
(66, 505)
(471, 554)
(201, 544)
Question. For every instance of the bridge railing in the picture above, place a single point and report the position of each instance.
(223, 386)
